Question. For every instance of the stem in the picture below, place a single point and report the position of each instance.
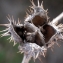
(26, 58)
(57, 19)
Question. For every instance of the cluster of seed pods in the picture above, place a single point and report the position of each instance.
(36, 35)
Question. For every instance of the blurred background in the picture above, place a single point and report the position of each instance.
(17, 9)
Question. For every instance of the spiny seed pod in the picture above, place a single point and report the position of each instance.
(36, 35)
(38, 15)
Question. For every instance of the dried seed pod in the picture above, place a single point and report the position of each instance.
(36, 34)
(39, 16)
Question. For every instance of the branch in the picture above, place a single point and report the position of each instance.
(57, 19)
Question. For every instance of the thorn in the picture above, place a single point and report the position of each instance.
(61, 36)
(8, 15)
(18, 21)
(32, 3)
(14, 43)
(42, 4)
(19, 52)
(7, 25)
(43, 54)
(4, 30)
(46, 10)
(12, 19)
(31, 7)
(28, 11)
(31, 10)
(10, 39)
(9, 19)
(38, 3)
(27, 14)
(5, 34)
(48, 17)
(57, 44)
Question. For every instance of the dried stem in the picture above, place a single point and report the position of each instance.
(57, 19)
(26, 59)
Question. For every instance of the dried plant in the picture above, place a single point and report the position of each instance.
(36, 35)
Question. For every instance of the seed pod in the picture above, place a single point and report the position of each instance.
(36, 35)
